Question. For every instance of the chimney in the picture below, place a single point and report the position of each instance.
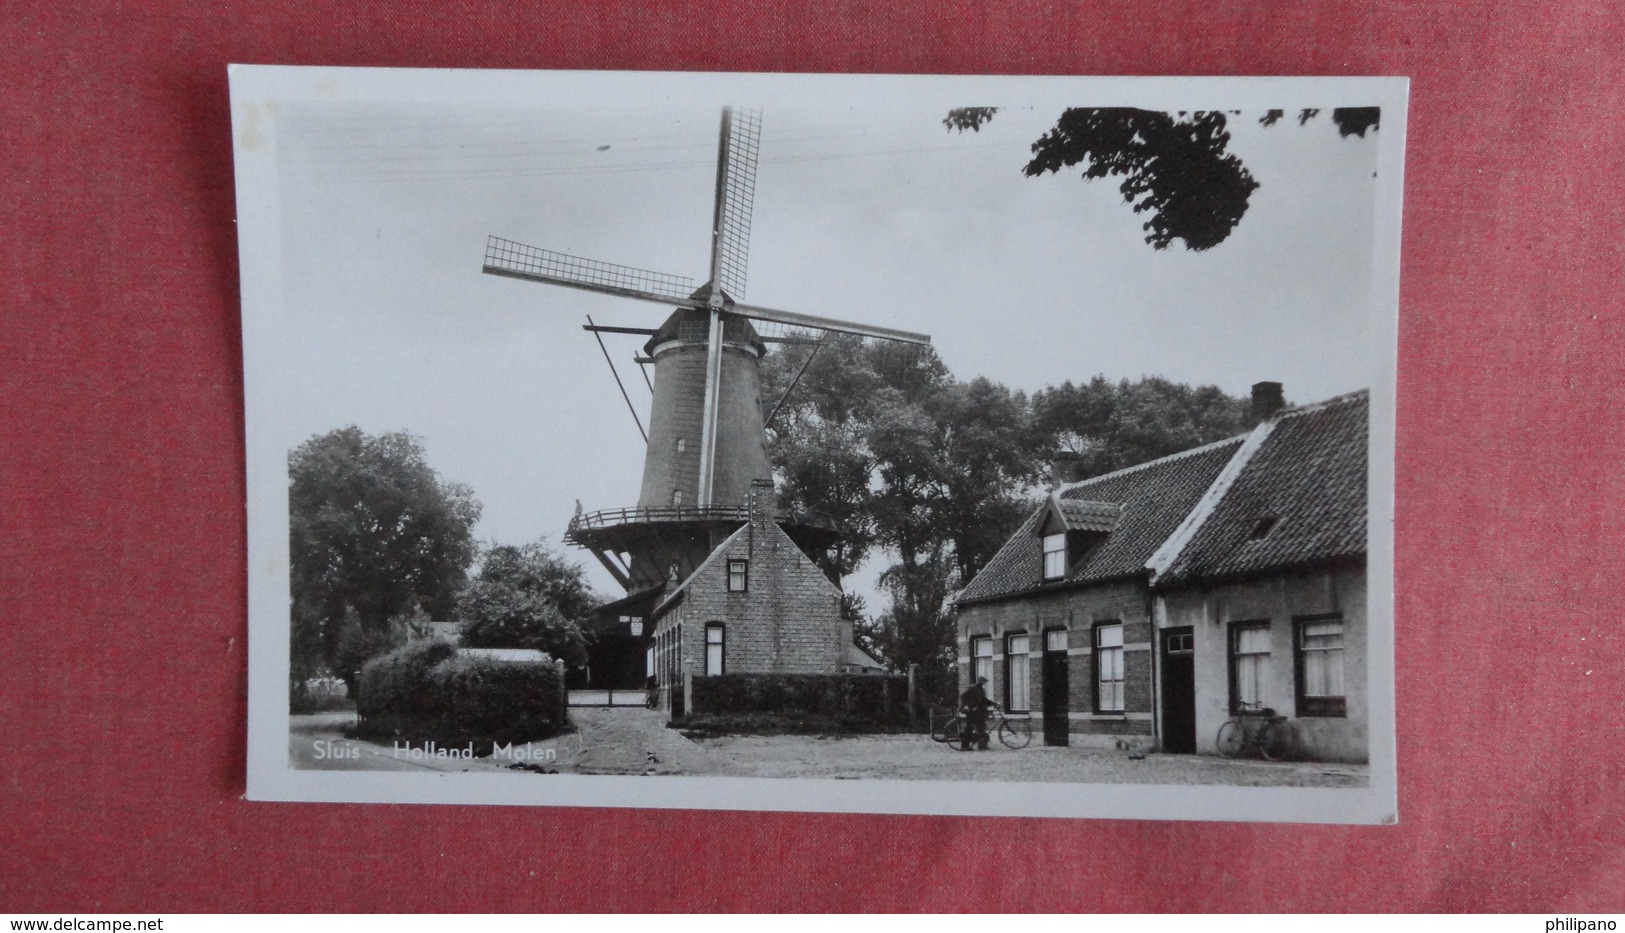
(764, 503)
(1267, 399)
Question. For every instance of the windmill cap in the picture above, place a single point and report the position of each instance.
(693, 325)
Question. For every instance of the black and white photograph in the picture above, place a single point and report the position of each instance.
(960, 445)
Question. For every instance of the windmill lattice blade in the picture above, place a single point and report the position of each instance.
(792, 319)
(736, 196)
(516, 260)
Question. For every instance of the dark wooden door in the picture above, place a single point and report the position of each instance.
(1178, 690)
(1056, 689)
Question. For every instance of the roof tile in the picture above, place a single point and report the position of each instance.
(1301, 499)
(1154, 498)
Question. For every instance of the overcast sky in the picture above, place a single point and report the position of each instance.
(866, 212)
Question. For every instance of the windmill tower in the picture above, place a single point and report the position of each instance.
(706, 461)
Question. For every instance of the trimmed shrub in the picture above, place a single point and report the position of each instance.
(395, 686)
(427, 692)
(801, 702)
(485, 700)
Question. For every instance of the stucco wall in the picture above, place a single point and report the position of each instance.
(1279, 600)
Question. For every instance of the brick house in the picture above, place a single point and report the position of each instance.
(756, 604)
(1060, 619)
(1148, 603)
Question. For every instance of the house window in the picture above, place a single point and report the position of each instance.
(1109, 667)
(681, 445)
(1249, 664)
(1055, 640)
(981, 650)
(713, 649)
(739, 576)
(1320, 666)
(677, 497)
(1055, 556)
(1015, 673)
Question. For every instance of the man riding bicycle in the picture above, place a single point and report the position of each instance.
(973, 706)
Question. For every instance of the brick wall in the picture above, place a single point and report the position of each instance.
(1077, 611)
(677, 415)
(787, 620)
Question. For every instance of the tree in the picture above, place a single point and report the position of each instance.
(906, 459)
(1175, 167)
(1101, 426)
(527, 597)
(375, 533)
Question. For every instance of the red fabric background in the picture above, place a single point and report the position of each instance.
(122, 585)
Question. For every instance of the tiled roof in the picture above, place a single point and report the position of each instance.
(1300, 498)
(1154, 497)
(1089, 515)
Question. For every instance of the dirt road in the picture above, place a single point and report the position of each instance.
(636, 741)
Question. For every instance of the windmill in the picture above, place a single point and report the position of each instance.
(706, 455)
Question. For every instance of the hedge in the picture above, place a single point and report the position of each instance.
(427, 692)
(802, 702)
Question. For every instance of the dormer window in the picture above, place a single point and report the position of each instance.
(1055, 556)
(1071, 529)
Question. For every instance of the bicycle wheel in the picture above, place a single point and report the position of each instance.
(954, 732)
(1232, 738)
(945, 731)
(1278, 741)
(1015, 733)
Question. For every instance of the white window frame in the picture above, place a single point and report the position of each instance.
(1017, 682)
(1108, 646)
(981, 663)
(738, 571)
(716, 643)
(1249, 664)
(1055, 556)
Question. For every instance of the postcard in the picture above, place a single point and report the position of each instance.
(1009, 446)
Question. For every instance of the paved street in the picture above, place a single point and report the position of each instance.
(636, 741)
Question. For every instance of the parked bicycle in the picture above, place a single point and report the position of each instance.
(1258, 726)
(1014, 733)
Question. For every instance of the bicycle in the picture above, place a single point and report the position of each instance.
(1014, 733)
(1257, 726)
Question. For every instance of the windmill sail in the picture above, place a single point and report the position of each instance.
(706, 396)
(737, 152)
(816, 322)
(518, 261)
